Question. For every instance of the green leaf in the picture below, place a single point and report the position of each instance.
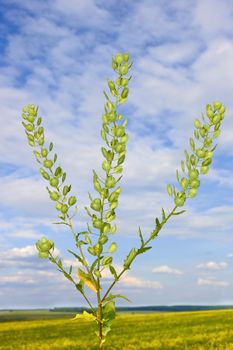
(177, 176)
(143, 250)
(70, 270)
(50, 146)
(85, 316)
(158, 225)
(163, 215)
(88, 212)
(111, 296)
(140, 235)
(106, 95)
(95, 263)
(178, 213)
(109, 310)
(67, 276)
(77, 257)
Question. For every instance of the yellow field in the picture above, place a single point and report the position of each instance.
(177, 331)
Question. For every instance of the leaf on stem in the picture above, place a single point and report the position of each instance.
(86, 316)
(140, 235)
(178, 213)
(76, 256)
(111, 296)
(85, 278)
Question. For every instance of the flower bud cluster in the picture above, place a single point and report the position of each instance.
(44, 246)
(191, 183)
(54, 175)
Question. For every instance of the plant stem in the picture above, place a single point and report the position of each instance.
(142, 246)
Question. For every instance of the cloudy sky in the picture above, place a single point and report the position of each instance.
(57, 54)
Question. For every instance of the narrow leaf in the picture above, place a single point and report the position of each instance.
(178, 213)
(163, 215)
(77, 257)
(140, 235)
(111, 296)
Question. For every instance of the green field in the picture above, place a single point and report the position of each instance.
(184, 330)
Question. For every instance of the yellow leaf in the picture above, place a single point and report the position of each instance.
(86, 316)
(86, 279)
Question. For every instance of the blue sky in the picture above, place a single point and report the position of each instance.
(57, 54)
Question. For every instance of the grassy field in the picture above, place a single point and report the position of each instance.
(177, 331)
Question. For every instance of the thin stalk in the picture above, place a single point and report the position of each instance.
(142, 246)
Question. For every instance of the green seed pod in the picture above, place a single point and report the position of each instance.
(192, 192)
(124, 69)
(204, 169)
(217, 119)
(110, 182)
(54, 182)
(104, 238)
(195, 183)
(118, 169)
(104, 118)
(193, 174)
(114, 205)
(104, 193)
(96, 204)
(124, 81)
(209, 112)
(180, 199)
(106, 165)
(107, 260)
(125, 93)
(72, 200)
(202, 132)
(91, 251)
(112, 248)
(41, 141)
(97, 223)
(217, 105)
(120, 148)
(54, 195)
(110, 106)
(118, 81)
(65, 190)
(216, 133)
(196, 134)
(98, 248)
(200, 153)
(206, 162)
(64, 208)
(58, 206)
(110, 216)
(126, 56)
(119, 116)
(113, 229)
(97, 273)
(193, 160)
(197, 123)
(192, 144)
(48, 163)
(44, 152)
(114, 64)
(119, 58)
(29, 127)
(169, 190)
(111, 85)
(184, 183)
(40, 130)
(44, 174)
(39, 120)
(58, 171)
(25, 109)
(31, 118)
(222, 110)
(125, 138)
(208, 154)
(208, 142)
(43, 255)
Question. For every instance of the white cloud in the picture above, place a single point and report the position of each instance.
(230, 255)
(167, 269)
(131, 281)
(210, 282)
(212, 265)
